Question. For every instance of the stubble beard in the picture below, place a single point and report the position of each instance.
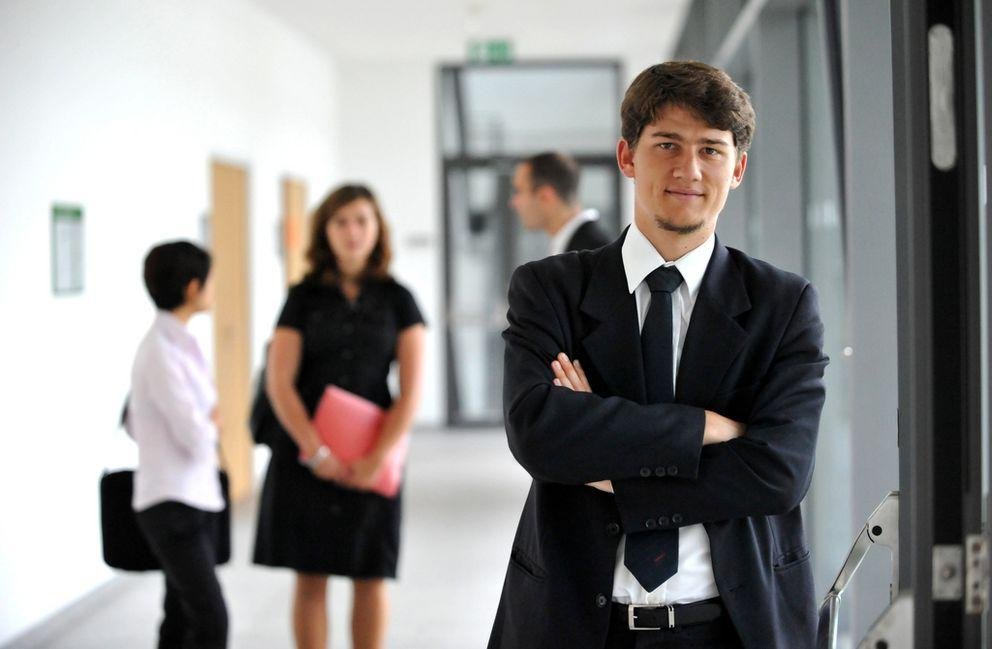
(663, 224)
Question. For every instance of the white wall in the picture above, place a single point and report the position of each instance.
(389, 140)
(119, 106)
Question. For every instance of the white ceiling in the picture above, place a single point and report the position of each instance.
(441, 29)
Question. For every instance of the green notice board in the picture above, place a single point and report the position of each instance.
(67, 249)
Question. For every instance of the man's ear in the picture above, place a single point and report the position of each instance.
(739, 170)
(546, 194)
(625, 158)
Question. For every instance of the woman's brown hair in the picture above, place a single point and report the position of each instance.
(323, 265)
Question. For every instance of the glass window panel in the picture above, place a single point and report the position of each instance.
(520, 110)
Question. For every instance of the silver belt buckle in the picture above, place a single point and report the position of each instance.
(632, 623)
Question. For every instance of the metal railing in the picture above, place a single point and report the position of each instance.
(894, 629)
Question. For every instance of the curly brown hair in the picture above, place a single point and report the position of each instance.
(323, 264)
(708, 92)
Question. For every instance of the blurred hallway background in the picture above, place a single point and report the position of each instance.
(119, 121)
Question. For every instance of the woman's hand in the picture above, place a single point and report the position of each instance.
(364, 472)
(569, 374)
(331, 469)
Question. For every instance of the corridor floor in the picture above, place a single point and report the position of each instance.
(462, 499)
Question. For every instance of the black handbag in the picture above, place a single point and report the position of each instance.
(262, 421)
(124, 545)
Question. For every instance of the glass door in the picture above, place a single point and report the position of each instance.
(492, 116)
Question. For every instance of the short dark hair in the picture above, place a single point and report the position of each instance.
(170, 267)
(708, 92)
(323, 264)
(556, 170)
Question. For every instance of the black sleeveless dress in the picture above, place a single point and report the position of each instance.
(308, 524)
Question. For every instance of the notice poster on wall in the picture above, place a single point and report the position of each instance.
(67, 249)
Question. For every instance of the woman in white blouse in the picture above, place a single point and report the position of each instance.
(172, 417)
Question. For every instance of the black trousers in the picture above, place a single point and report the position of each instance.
(181, 538)
(718, 634)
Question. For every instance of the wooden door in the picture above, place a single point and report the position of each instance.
(232, 319)
(296, 232)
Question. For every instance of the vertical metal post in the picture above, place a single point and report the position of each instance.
(935, 102)
(985, 27)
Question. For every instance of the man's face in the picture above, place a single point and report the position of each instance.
(525, 200)
(683, 170)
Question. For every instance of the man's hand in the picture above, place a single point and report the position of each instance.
(569, 374)
(719, 429)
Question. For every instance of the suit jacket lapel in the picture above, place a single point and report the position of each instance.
(613, 347)
(714, 338)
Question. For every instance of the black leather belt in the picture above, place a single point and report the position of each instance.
(654, 618)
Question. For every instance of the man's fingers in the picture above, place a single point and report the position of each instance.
(569, 374)
(580, 371)
(602, 485)
(575, 374)
(563, 383)
(561, 378)
(569, 370)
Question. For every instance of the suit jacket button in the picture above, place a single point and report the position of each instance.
(673, 470)
(612, 529)
(650, 523)
(660, 472)
(601, 600)
(645, 472)
(677, 519)
(663, 521)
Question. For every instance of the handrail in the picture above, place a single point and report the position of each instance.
(882, 529)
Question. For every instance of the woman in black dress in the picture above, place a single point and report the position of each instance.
(344, 324)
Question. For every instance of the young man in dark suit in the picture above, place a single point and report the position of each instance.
(664, 392)
(546, 197)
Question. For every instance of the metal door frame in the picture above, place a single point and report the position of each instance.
(940, 346)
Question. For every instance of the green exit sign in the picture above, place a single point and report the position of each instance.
(494, 50)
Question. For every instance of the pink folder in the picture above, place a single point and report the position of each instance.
(350, 426)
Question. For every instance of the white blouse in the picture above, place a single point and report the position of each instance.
(169, 416)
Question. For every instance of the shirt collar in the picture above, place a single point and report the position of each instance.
(173, 327)
(640, 258)
(560, 241)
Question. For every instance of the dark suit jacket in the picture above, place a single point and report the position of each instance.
(589, 236)
(753, 353)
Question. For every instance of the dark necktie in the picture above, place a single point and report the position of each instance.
(652, 556)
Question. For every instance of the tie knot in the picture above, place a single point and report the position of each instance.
(664, 278)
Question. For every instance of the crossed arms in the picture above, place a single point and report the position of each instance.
(570, 375)
(562, 434)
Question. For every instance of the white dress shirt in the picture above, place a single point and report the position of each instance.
(560, 241)
(172, 398)
(694, 580)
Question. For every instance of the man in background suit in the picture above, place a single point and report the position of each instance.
(664, 392)
(545, 197)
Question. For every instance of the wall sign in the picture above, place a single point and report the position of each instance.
(67, 249)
